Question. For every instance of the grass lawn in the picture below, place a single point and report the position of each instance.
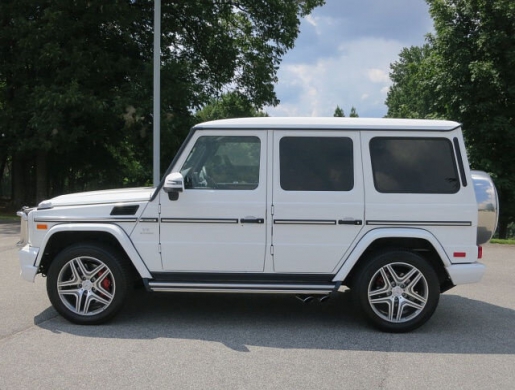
(508, 241)
(7, 214)
(8, 217)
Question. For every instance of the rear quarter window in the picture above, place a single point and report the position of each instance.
(414, 165)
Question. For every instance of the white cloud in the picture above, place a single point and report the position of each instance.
(356, 77)
(343, 56)
(311, 20)
(378, 76)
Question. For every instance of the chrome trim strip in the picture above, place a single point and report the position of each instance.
(155, 220)
(420, 223)
(199, 220)
(87, 220)
(304, 222)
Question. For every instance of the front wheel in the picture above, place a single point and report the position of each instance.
(397, 291)
(87, 284)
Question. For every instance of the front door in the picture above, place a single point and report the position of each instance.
(317, 200)
(218, 223)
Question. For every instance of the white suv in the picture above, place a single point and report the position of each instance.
(388, 208)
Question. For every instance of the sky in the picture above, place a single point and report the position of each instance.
(343, 53)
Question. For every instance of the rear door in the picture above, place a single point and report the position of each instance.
(317, 199)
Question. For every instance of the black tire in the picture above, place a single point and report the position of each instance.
(397, 291)
(87, 283)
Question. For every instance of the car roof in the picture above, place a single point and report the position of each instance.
(329, 123)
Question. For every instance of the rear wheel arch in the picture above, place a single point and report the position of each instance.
(420, 246)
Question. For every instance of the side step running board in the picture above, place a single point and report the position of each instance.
(265, 288)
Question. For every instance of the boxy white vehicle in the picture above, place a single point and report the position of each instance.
(388, 208)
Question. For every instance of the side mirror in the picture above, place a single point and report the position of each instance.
(174, 183)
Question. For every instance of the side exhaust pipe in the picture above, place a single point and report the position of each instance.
(309, 298)
(304, 298)
(323, 298)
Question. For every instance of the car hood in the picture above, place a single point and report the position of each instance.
(100, 197)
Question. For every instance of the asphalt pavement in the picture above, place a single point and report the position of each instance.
(224, 341)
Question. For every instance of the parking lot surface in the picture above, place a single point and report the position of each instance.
(224, 341)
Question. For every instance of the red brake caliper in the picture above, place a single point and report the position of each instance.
(106, 283)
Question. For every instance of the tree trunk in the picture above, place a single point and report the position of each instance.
(3, 163)
(41, 176)
(503, 229)
(506, 213)
(18, 194)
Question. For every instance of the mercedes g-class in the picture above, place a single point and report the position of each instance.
(386, 207)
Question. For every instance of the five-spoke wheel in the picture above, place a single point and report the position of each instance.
(397, 291)
(87, 284)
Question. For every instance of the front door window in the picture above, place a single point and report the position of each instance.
(223, 163)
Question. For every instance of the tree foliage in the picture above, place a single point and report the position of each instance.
(466, 72)
(76, 81)
(229, 105)
(412, 94)
(338, 112)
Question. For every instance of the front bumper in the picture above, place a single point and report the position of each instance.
(466, 273)
(27, 256)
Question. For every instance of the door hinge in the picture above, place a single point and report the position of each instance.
(159, 248)
(272, 209)
(272, 250)
(159, 208)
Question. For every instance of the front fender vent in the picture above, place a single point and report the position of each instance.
(124, 210)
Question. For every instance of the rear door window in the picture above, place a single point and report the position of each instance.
(316, 164)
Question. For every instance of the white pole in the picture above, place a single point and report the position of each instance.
(157, 91)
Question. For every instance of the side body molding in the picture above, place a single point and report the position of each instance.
(377, 234)
(116, 231)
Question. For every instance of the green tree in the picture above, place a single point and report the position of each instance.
(413, 93)
(76, 81)
(474, 42)
(353, 113)
(465, 72)
(338, 112)
(64, 67)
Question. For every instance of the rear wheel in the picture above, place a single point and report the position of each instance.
(87, 284)
(397, 291)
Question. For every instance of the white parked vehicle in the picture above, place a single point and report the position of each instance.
(301, 206)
